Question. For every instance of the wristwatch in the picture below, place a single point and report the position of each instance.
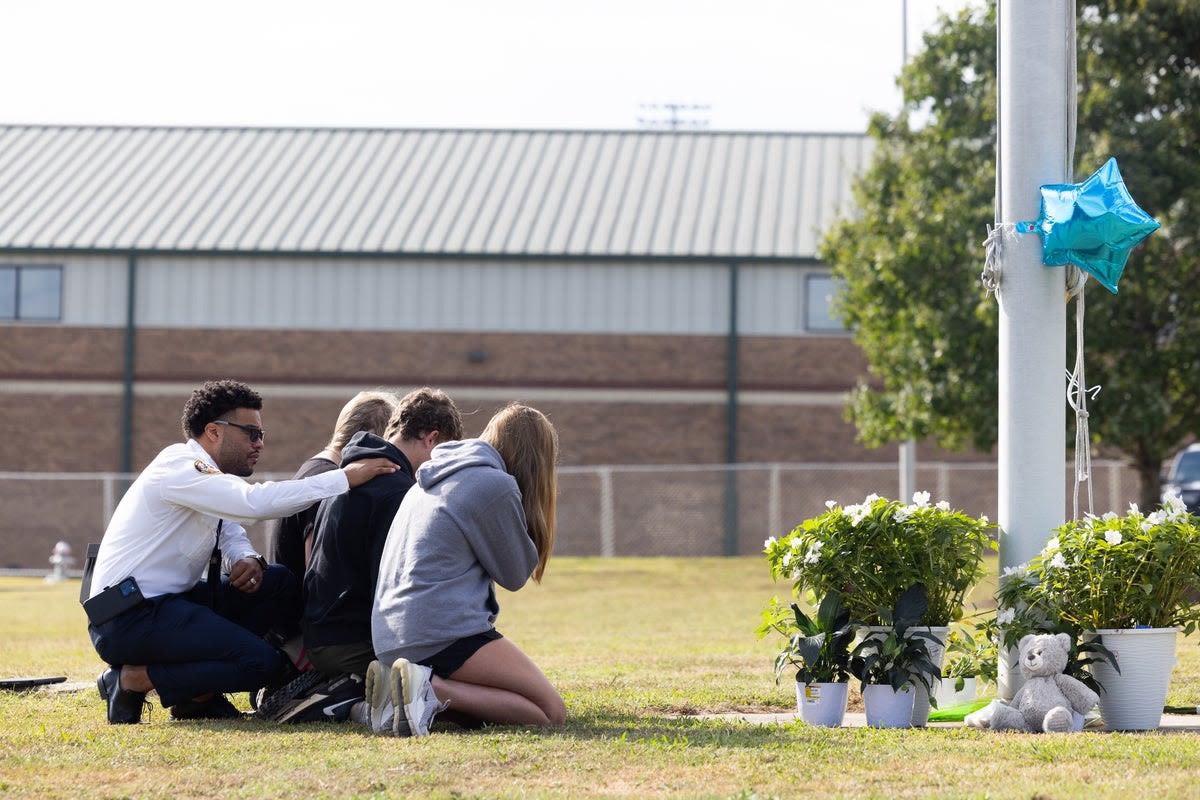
(262, 562)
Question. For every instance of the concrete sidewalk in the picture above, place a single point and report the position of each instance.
(1171, 723)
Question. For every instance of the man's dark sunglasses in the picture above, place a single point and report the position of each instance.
(255, 434)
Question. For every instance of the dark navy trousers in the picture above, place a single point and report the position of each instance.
(190, 649)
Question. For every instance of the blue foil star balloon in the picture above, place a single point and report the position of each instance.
(1093, 224)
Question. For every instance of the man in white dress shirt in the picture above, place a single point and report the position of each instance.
(190, 641)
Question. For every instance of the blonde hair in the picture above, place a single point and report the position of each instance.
(366, 411)
(528, 443)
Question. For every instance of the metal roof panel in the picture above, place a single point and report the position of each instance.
(492, 193)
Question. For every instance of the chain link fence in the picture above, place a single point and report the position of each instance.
(675, 510)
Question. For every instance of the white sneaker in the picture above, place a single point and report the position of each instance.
(413, 698)
(379, 696)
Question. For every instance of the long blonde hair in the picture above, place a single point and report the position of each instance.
(528, 443)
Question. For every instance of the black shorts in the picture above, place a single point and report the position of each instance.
(450, 659)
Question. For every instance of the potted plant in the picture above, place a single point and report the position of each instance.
(972, 658)
(1125, 585)
(894, 664)
(818, 648)
(871, 552)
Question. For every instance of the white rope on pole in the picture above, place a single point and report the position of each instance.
(1077, 388)
(1077, 393)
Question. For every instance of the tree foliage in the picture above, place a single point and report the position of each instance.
(909, 262)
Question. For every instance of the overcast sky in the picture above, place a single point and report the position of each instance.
(798, 65)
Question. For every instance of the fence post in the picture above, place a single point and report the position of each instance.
(731, 511)
(110, 502)
(774, 503)
(608, 536)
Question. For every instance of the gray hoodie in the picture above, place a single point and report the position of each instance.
(459, 531)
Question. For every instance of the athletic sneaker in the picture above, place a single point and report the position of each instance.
(314, 698)
(286, 676)
(413, 698)
(379, 697)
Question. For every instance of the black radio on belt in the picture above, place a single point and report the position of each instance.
(114, 601)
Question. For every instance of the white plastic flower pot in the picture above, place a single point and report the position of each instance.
(822, 704)
(947, 697)
(887, 708)
(1133, 699)
(937, 654)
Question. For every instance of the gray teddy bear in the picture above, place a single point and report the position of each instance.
(1049, 699)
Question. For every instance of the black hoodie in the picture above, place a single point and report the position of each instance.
(348, 537)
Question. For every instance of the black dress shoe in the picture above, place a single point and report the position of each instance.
(124, 706)
(215, 707)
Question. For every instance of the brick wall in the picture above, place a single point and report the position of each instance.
(61, 410)
(80, 430)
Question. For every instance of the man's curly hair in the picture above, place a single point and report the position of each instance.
(212, 401)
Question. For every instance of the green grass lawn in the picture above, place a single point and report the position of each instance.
(635, 645)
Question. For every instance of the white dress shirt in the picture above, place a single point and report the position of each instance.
(165, 526)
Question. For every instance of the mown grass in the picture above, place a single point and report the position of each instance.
(637, 646)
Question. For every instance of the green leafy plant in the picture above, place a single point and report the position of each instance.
(1086, 649)
(1115, 571)
(872, 551)
(972, 651)
(900, 657)
(818, 647)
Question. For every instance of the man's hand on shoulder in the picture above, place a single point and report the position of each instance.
(359, 472)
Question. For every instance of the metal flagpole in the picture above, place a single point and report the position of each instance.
(1036, 85)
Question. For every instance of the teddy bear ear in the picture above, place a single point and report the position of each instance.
(1026, 639)
(1064, 640)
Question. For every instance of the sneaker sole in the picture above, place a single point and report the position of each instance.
(406, 677)
(276, 705)
(379, 695)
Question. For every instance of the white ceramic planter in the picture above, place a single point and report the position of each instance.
(822, 704)
(887, 708)
(947, 697)
(1133, 699)
(937, 654)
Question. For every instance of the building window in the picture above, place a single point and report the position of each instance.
(31, 292)
(818, 305)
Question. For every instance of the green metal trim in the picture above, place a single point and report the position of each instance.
(731, 419)
(340, 255)
(130, 353)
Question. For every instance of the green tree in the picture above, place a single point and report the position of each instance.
(909, 261)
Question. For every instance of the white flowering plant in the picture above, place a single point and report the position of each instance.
(1114, 571)
(871, 552)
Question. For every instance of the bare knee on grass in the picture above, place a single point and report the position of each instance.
(500, 684)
